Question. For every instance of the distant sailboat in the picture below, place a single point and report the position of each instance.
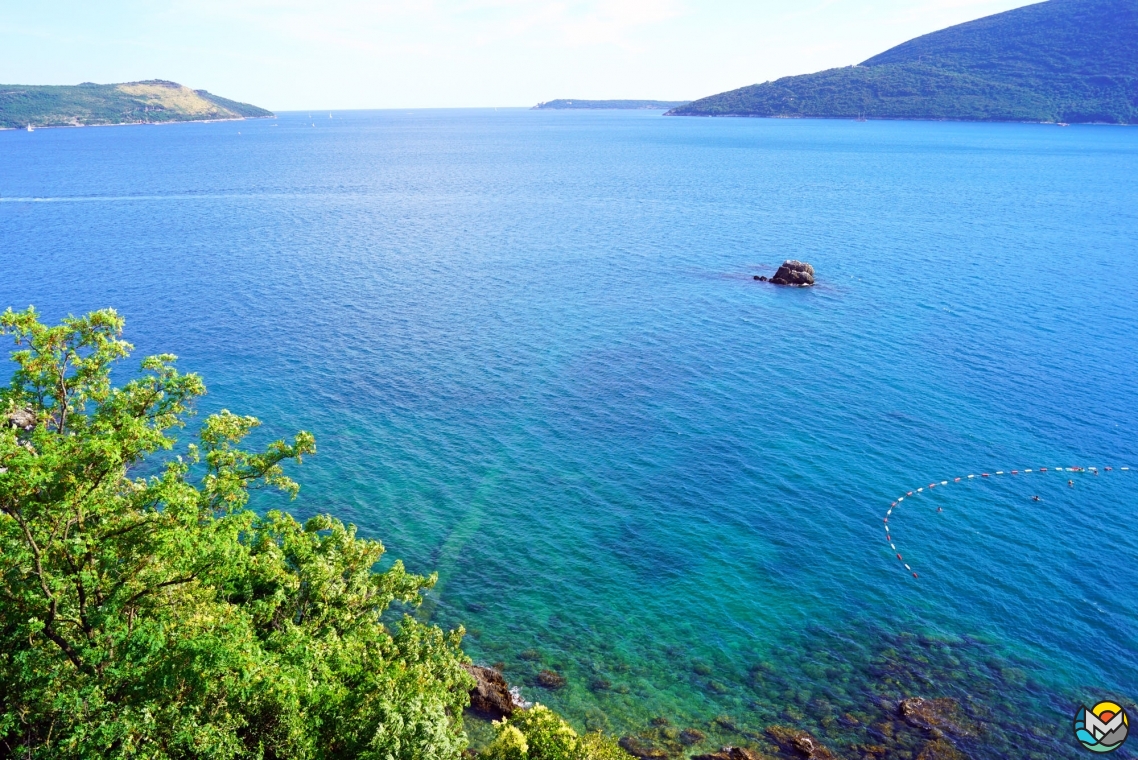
(31, 128)
(329, 116)
(860, 117)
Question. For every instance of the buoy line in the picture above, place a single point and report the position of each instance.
(999, 473)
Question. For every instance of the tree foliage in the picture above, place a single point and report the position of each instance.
(540, 734)
(159, 617)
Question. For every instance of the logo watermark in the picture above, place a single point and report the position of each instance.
(1102, 728)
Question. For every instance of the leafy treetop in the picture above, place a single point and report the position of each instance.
(159, 617)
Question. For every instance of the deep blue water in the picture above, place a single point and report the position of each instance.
(534, 357)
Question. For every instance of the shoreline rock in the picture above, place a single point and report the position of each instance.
(491, 696)
(22, 419)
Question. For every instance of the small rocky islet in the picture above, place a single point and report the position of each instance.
(792, 273)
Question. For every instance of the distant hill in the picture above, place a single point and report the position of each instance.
(1057, 61)
(148, 102)
(662, 105)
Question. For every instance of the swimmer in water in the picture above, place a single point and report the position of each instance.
(1035, 498)
(1071, 483)
(938, 509)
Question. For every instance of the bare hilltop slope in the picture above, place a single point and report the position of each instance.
(150, 102)
(1057, 61)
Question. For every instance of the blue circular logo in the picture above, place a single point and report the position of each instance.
(1102, 728)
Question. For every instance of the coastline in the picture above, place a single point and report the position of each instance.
(891, 118)
(136, 123)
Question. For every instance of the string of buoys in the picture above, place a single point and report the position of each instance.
(964, 478)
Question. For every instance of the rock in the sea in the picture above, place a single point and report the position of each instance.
(939, 749)
(22, 419)
(691, 736)
(550, 679)
(725, 721)
(731, 753)
(799, 743)
(792, 272)
(491, 695)
(936, 715)
(638, 748)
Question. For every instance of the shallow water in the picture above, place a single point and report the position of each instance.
(534, 357)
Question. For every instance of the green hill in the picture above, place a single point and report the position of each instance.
(148, 102)
(1057, 61)
(621, 104)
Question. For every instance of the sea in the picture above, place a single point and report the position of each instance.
(536, 360)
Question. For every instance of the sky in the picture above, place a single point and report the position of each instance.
(355, 54)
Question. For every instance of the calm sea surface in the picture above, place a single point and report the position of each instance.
(535, 360)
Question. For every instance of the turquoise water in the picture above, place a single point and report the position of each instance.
(534, 357)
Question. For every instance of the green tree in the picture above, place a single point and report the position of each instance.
(540, 734)
(159, 617)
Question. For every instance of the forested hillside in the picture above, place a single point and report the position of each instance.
(1061, 60)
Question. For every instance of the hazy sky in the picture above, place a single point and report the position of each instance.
(337, 54)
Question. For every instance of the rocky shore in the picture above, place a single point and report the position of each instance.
(935, 722)
(916, 698)
(920, 729)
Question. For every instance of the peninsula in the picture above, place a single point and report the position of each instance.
(630, 105)
(150, 102)
(1057, 61)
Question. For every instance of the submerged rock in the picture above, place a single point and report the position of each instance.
(939, 749)
(937, 715)
(725, 721)
(792, 272)
(491, 696)
(641, 749)
(550, 679)
(691, 736)
(800, 744)
(731, 753)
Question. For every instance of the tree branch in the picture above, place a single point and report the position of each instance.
(163, 584)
